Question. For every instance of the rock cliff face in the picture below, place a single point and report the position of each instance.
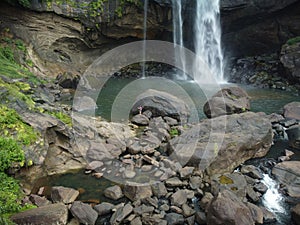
(68, 37)
(255, 27)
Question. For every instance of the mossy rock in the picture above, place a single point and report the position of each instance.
(225, 180)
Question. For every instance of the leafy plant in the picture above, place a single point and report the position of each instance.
(293, 41)
(15, 92)
(12, 126)
(120, 8)
(174, 132)
(20, 45)
(10, 196)
(10, 152)
(62, 116)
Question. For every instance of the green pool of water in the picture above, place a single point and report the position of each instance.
(118, 95)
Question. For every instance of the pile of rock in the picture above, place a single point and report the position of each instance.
(287, 125)
(173, 173)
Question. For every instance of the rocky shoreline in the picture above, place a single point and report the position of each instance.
(158, 180)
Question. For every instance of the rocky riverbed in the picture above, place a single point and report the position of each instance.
(164, 170)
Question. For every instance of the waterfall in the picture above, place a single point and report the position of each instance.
(208, 40)
(178, 37)
(145, 38)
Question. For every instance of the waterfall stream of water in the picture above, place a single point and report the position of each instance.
(208, 40)
(178, 37)
(145, 38)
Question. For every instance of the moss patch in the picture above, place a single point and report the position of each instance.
(225, 180)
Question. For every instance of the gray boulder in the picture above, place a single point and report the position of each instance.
(292, 110)
(227, 208)
(174, 219)
(84, 213)
(226, 102)
(294, 136)
(288, 173)
(223, 143)
(134, 191)
(114, 192)
(104, 208)
(64, 194)
(161, 104)
(296, 214)
(54, 214)
(140, 119)
(121, 214)
(234, 182)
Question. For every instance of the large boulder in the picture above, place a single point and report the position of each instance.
(227, 101)
(290, 58)
(161, 104)
(292, 110)
(227, 208)
(64, 194)
(294, 136)
(296, 214)
(54, 214)
(84, 213)
(288, 174)
(135, 191)
(223, 143)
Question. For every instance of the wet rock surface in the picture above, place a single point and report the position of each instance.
(227, 101)
(161, 104)
(287, 174)
(235, 139)
(50, 214)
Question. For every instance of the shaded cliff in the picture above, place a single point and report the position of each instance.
(69, 35)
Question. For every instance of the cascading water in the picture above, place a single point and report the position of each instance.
(178, 37)
(208, 40)
(145, 38)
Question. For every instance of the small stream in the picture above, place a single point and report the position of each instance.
(274, 199)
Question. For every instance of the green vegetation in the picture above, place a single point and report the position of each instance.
(293, 41)
(16, 82)
(10, 153)
(14, 134)
(10, 195)
(62, 116)
(174, 132)
(16, 92)
(119, 10)
(11, 125)
(8, 65)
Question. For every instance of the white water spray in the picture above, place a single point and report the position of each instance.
(272, 199)
(208, 40)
